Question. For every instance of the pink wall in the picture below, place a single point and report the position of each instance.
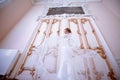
(20, 35)
(109, 25)
(11, 13)
(114, 6)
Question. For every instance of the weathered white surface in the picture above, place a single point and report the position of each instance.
(61, 57)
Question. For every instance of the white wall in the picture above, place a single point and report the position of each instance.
(114, 6)
(21, 33)
(10, 13)
(109, 25)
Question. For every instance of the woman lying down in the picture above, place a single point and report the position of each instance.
(65, 61)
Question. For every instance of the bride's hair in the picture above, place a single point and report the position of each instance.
(68, 30)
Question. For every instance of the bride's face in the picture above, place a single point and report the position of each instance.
(66, 32)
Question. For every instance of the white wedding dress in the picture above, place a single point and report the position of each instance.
(65, 64)
(72, 63)
(79, 64)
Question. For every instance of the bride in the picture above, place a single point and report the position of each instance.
(71, 62)
(79, 64)
(66, 54)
